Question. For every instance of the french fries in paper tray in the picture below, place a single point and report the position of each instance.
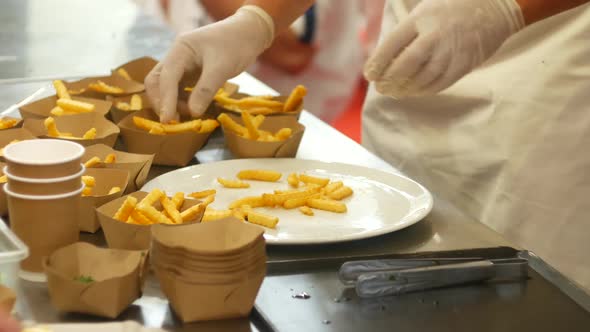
(172, 144)
(85, 129)
(138, 165)
(126, 221)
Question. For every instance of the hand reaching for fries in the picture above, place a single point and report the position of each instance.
(218, 51)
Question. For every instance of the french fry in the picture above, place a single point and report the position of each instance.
(87, 191)
(230, 124)
(298, 201)
(234, 184)
(51, 127)
(267, 136)
(306, 210)
(139, 218)
(3, 179)
(60, 89)
(123, 73)
(192, 212)
(327, 205)
(261, 111)
(157, 131)
(154, 215)
(208, 126)
(330, 187)
(252, 201)
(75, 106)
(252, 130)
(92, 162)
(76, 92)
(101, 86)
(257, 120)
(171, 209)
(284, 133)
(194, 125)
(341, 193)
(280, 199)
(111, 158)
(146, 124)
(114, 190)
(152, 197)
(123, 106)
(240, 213)
(178, 200)
(57, 111)
(7, 123)
(295, 99)
(89, 181)
(212, 214)
(136, 103)
(293, 180)
(203, 194)
(307, 179)
(259, 175)
(90, 134)
(261, 219)
(126, 209)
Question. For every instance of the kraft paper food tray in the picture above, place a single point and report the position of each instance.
(9, 135)
(138, 68)
(106, 131)
(105, 180)
(169, 150)
(117, 114)
(138, 165)
(128, 326)
(121, 235)
(80, 88)
(3, 202)
(223, 301)
(19, 122)
(7, 299)
(246, 148)
(118, 276)
(41, 108)
(223, 237)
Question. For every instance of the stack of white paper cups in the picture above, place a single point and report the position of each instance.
(43, 192)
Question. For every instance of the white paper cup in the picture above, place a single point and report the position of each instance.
(49, 186)
(43, 223)
(43, 158)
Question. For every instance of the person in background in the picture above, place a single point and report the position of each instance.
(321, 50)
(482, 101)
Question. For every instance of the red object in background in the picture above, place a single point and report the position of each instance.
(349, 122)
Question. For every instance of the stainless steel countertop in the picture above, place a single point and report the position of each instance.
(68, 38)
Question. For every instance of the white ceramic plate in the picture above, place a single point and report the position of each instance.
(382, 202)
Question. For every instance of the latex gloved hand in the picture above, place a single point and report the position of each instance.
(218, 51)
(439, 42)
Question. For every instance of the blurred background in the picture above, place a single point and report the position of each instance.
(324, 49)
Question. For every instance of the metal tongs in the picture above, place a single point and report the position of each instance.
(374, 278)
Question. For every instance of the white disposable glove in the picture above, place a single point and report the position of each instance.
(439, 42)
(218, 52)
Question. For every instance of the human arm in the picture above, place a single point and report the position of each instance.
(536, 10)
(287, 53)
(441, 41)
(218, 52)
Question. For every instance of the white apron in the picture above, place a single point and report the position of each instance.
(507, 144)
